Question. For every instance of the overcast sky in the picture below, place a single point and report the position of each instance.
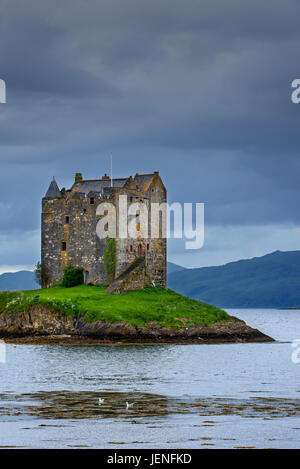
(198, 90)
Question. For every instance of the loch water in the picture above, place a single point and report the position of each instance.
(184, 396)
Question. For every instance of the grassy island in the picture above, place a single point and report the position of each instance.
(155, 304)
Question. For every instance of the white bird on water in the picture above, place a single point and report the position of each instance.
(100, 401)
(128, 405)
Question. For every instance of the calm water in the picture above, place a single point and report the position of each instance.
(193, 396)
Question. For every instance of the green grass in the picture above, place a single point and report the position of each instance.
(155, 304)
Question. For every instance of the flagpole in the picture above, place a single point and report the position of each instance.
(111, 171)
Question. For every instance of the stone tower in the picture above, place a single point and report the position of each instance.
(69, 222)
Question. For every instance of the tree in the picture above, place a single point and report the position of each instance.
(41, 275)
(110, 259)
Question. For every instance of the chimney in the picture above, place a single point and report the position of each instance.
(78, 177)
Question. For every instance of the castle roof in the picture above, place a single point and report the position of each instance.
(53, 191)
(143, 181)
(87, 186)
(97, 185)
(137, 186)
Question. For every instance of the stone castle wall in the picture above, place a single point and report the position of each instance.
(69, 237)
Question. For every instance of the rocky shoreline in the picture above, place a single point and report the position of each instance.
(39, 325)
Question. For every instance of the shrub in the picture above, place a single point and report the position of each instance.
(110, 259)
(72, 276)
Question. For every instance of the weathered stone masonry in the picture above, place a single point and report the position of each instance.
(69, 223)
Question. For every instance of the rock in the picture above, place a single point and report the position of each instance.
(39, 321)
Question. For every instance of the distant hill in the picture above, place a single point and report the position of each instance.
(269, 281)
(272, 280)
(22, 280)
(174, 268)
(25, 280)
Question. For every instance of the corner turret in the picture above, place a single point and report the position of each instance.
(53, 191)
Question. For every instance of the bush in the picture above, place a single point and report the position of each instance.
(72, 276)
(110, 259)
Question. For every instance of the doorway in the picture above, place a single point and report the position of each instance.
(86, 277)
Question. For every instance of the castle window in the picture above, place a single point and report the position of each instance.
(106, 227)
(92, 200)
(63, 246)
(148, 247)
(131, 248)
(67, 220)
(131, 198)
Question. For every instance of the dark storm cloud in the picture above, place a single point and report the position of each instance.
(198, 90)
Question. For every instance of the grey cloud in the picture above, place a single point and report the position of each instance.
(197, 90)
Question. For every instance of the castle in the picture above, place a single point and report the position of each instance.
(69, 223)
